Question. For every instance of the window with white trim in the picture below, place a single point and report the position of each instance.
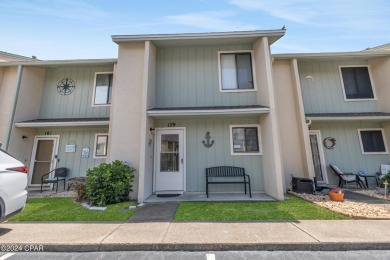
(236, 71)
(245, 139)
(101, 142)
(356, 82)
(102, 89)
(372, 141)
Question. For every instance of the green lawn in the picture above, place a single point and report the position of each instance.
(292, 209)
(65, 209)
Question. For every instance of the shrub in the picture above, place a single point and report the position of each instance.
(109, 183)
(384, 179)
(81, 191)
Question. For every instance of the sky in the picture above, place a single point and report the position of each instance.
(82, 29)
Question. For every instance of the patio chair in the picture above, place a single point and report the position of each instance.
(59, 175)
(347, 177)
(384, 170)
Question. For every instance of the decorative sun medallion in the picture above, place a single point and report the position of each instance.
(66, 86)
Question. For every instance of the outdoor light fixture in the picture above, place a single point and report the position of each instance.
(151, 131)
(24, 137)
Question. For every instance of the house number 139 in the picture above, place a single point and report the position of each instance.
(171, 124)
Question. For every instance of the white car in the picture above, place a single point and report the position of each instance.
(13, 185)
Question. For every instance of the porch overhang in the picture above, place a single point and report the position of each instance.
(208, 111)
(361, 116)
(64, 122)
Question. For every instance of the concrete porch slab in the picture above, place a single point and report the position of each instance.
(213, 197)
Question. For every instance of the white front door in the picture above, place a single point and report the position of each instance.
(318, 156)
(43, 158)
(169, 170)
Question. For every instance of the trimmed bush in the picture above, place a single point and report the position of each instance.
(109, 183)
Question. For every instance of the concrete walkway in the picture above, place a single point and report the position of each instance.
(306, 235)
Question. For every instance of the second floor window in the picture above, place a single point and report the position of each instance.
(236, 71)
(103, 89)
(357, 83)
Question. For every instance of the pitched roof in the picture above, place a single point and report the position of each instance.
(384, 47)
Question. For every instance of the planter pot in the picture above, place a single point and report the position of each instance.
(381, 191)
(336, 196)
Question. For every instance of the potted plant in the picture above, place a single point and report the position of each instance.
(382, 181)
(336, 194)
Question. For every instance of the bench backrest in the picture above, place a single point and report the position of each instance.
(225, 171)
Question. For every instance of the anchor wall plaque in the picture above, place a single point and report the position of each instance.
(207, 144)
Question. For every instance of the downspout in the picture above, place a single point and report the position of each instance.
(14, 103)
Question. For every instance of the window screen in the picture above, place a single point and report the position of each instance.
(245, 139)
(357, 83)
(236, 71)
(103, 89)
(372, 141)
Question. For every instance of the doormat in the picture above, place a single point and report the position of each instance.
(168, 195)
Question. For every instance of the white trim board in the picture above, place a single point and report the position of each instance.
(243, 111)
(52, 124)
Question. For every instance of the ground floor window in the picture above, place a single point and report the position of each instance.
(245, 139)
(372, 141)
(101, 142)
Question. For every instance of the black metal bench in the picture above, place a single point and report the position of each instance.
(227, 171)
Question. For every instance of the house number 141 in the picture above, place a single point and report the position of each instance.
(171, 124)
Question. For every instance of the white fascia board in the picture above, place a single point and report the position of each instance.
(330, 55)
(348, 118)
(63, 124)
(157, 113)
(59, 62)
(194, 36)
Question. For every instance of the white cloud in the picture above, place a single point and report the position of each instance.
(346, 14)
(218, 21)
(293, 10)
(64, 9)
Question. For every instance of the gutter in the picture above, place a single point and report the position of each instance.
(14, 102)
(350, 118)
(158, 113)
(62, 124)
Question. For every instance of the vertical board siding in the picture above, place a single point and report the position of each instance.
(79, 103)
(188, 77)
(198, 157)
(83, 137)
(347, 154)
(325, 94)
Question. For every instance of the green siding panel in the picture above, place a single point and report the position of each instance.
(347, 154)
(81, 137)
(188, 77)
(200, 157)
(79, 103)
(325, 94)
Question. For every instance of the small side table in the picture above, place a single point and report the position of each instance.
(370, 176)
